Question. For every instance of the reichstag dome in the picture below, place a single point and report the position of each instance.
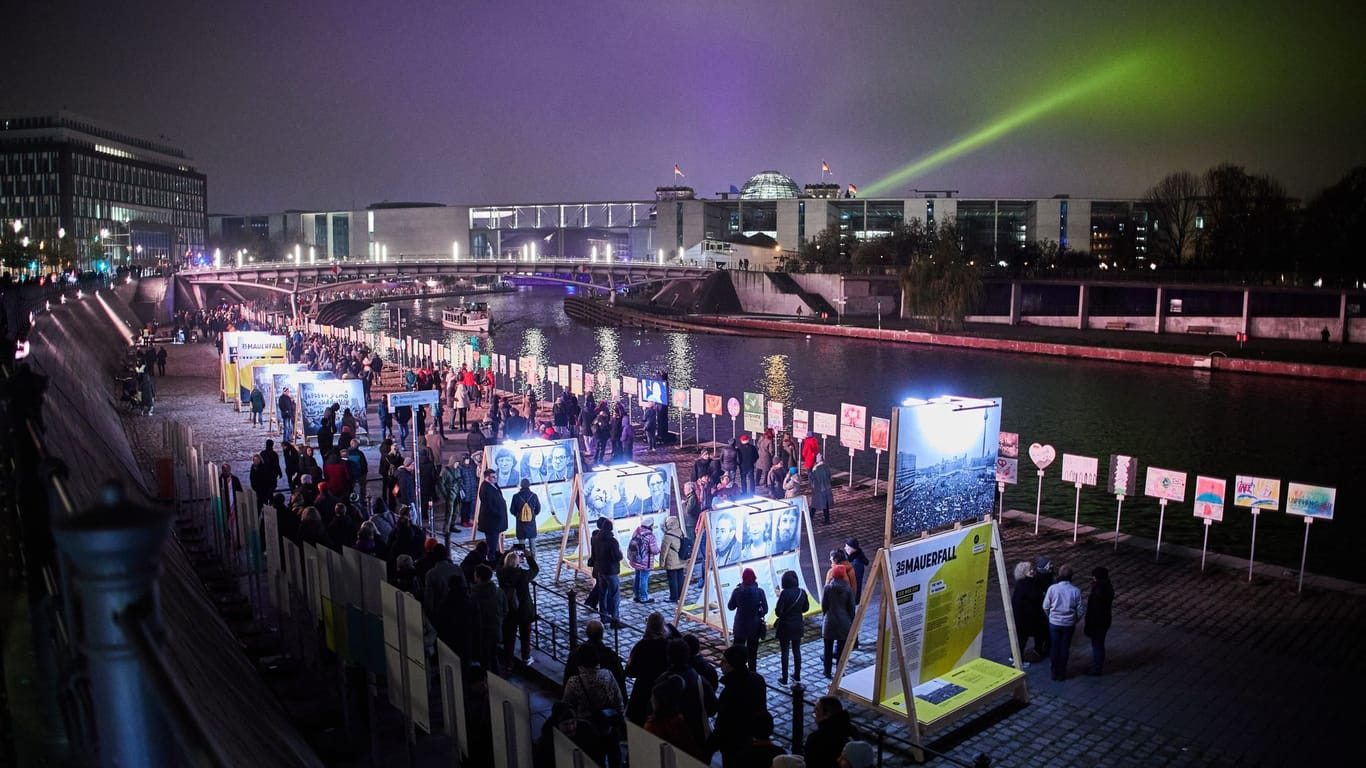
(769, 185)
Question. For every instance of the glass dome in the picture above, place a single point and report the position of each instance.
(769, 185)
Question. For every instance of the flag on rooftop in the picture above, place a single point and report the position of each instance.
(734, 190)
(853, 190)
(678, 171)
(824, 168)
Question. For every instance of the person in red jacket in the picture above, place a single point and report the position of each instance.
(811, 448)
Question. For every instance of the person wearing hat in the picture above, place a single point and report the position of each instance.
(751, 616)
(857, 754)
(811, 448)
(1098, 616)
(743, 694)
(640, 554)
(859, 562)
(1043, 579)
(746, 458)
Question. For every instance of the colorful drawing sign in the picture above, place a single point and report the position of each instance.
(879, 433)
(713, 405)
(1310, 500)
(1165, 484)
(801, 422)
(1008, 445)
(853, 429)
(1256, 492)
(576, 378)
(733, 407)
(1007, 470)
(680, 398)
(754, 412)
(1081, 470)
(1209, 497)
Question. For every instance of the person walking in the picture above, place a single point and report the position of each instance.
(822, 488)
(161, 361)
(1099, 607)
(515, 577)
(751, 616)
(791, 609)
(837, 605)
(1064, 607)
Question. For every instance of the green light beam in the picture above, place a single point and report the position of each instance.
(993, 131)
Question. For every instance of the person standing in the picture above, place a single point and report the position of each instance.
(671, 556)
(747, 456)
(811, 449)
(743, 694)
(859, 562)
(640, 554)
(1099, 608)
(833, 730)
(527, 506)
(605, 560)
(161, 361)
(1063, 605)
(515, 577)
(493, 513)
(822, 487)
(751, 616)
(791, 610)
(258, 406)
(650, 425)
(286, 406)
(837, 604)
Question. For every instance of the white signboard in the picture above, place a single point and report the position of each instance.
(853, 426)
(826, 424)
(1079, 469)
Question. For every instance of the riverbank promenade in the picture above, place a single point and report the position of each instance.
(1204, 668)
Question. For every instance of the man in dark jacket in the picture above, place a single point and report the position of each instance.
(493, 513)
(286, 405)
(746, 455)
(605, 560)
(595, 653)
(833, 731)
(743, 693)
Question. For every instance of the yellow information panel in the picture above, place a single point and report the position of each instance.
(944, 695)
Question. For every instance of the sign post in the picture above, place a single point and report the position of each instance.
(1123, 481)
(879, 436)
(733, 408)
(415, 399)
(1258, 493)
(1165, 485)
(1042, 456)
(1079, 470)
(1309, 501)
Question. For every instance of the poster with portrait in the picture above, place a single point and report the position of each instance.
(1079, 470)
(786, 529)
(801, 422)
(753, 409)
(825, 424)
(853, 426)
(650, 490)
(681, 399)
(1123, 479)
(727, 528)
(556, 503)
(1209, 498)
(653, 391)
(604, 495)
(1310, 500)
(549, 465)
(1257, 492)
(315, 397)
(944, 464)
(879, 433)
(775, 416)
(576, 379)
(758, 536)
(713, 405)
(1165, 484)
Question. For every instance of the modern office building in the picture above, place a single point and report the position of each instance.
(112, 195)
(768, 216)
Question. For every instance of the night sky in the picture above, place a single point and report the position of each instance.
(330, 105)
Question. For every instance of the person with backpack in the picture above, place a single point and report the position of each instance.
(672, 557)
(640, 554)
(527, 506)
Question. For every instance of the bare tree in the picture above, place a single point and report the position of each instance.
(1175, 204)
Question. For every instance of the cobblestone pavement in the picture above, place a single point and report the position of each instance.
(1203, 668)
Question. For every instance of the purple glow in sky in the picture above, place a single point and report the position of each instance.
(330, 105)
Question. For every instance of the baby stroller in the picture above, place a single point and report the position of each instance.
(131, 398)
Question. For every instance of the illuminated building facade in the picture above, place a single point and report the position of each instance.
(98, 193)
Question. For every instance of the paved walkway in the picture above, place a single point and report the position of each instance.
(1204, 668)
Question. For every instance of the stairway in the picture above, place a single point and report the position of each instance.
(784, 283)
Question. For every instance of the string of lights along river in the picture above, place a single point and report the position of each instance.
(1218, 425)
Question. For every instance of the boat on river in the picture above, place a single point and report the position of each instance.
(472, 318)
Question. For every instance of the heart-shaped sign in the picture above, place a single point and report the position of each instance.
(1042, 455)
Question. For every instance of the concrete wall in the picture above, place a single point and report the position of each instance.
(758, 295)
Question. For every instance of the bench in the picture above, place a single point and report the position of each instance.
(1117, 325)
(1205, 329)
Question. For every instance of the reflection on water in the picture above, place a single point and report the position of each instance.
(776, 383)
(606, 361)
(1217, 425)
(679, 363)
(534, 345)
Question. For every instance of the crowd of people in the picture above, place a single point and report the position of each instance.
(1048, 608)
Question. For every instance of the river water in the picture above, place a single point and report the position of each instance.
(1217, 425)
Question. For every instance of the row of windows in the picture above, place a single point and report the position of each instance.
(20, 163)
(100, 168)
(128, 193)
